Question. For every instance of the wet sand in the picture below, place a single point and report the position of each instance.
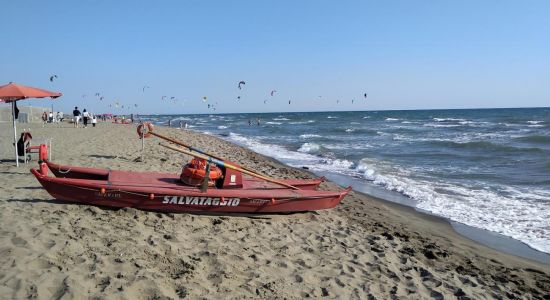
(364, 247)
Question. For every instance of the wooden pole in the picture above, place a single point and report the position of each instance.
(223, 164)
(195, 149)
(14, 133)
(184, 145)
(142, 145)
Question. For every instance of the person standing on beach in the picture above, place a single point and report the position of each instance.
(94, 120)
(44, 118)
(85, 116)
(76, 115)
(50, 117)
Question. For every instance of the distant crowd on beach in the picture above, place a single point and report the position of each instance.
(84, 116)
(52, 118)
(81, 119)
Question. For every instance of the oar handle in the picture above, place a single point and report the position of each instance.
(226, 165)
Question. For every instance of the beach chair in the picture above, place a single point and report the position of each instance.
(25, 147)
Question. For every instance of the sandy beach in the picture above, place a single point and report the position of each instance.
(365, 248)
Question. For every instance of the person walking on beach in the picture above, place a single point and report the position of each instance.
(94, 120)
(44, 118)
(76, 115)
(86, 116)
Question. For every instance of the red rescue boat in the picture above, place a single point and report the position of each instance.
(234, 193)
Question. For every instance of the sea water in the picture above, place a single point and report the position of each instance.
(486, 168)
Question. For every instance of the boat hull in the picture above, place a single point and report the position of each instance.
(139, 191)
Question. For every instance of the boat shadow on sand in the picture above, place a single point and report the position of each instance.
(29, 188)
(103, 156)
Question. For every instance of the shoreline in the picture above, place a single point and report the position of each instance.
(493, 240)
(363, 247)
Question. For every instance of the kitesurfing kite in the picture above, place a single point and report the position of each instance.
(265, 101)
(238, 97)
(162, 98)
(204, 99)
(97, 94)
(352, 100)
(288, 101)
(144, 87)
(101, 98)
(52, 77)
(365, 95)
(273, 92)
(240, 84)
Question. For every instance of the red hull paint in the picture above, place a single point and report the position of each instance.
(163, 192)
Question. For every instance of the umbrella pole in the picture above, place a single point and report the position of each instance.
(14, 133)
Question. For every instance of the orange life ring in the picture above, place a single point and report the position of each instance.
(194, 173)
(145, 128)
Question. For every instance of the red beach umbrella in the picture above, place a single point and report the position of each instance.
(12, 92)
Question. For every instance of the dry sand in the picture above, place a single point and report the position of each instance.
(363, 249)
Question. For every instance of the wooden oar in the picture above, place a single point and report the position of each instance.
(221, 163)
(182, 144)
(195, 149)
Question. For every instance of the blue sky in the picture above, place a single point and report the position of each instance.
(404, 54)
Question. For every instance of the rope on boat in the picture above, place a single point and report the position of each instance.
(63, 172)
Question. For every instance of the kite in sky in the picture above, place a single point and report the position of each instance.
(145, 87)
(273, 92)
(240, 84)
(52, 77)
